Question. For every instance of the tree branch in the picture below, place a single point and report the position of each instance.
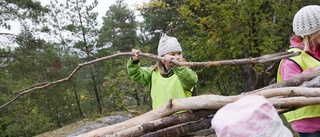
(301, 80)
(262, 59)
(182, 129)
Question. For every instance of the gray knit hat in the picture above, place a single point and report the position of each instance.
(168, 44)
(307, 20)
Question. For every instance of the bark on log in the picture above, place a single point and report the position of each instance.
(294, 102)
(297, 81)
(164, 122)
(182, 129)
(312, 83)
(289, 92)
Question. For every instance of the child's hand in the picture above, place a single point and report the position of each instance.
(135, 54)
(167, 61)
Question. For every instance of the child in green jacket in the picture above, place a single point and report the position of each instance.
(166, 80)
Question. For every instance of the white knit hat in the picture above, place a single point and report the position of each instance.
(307, 20)
(168, 44)
(250, 116)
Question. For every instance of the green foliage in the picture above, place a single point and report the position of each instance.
(26, 10)
(122, 93)
(118, 33)
(226, 30)
(24, 121)
(28, 4)
(119, 28)
(31, 63)
(158, 15)
(77, 18)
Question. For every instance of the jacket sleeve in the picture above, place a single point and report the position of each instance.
(187, 76)
(290, 69)
(138, 73)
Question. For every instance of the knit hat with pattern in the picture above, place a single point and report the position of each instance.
(307, 20)
(168, 44)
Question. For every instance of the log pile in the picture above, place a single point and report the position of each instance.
(184, 117)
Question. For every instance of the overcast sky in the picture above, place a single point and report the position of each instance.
(102, 8)
(104, 5)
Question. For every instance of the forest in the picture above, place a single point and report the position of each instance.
(57, 38)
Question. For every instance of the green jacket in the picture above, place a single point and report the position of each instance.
(177, 84)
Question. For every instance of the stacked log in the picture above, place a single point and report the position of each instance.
(181, 117)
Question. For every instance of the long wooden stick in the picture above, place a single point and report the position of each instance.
(182, 129)
(262, 59)
(301, 80)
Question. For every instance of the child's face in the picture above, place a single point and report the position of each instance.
(177, 55)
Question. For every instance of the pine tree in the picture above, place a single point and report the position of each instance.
(119, 30)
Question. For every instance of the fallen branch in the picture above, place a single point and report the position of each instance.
(312, 83)
(294, 102)
(182, 129)
(262, 59)
(301, 80)
(289, 92)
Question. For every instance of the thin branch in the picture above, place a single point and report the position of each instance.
(8, 34)
(262, 59)
(302, 80)
(35, 85)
